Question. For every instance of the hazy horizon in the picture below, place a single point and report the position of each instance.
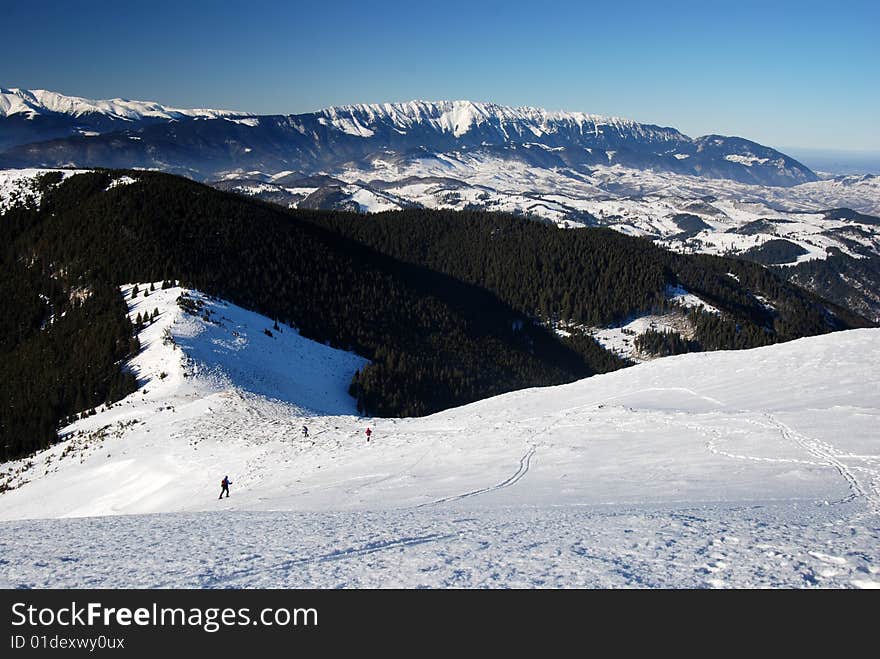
(836, 161)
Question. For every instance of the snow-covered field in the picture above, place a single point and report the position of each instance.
(712, 546)
(727, 469)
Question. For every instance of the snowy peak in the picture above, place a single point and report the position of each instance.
(33, 102)
(461, 117)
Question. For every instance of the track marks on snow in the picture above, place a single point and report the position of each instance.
(823, 453)
(212, 581)
(522, 470)
(829, 456)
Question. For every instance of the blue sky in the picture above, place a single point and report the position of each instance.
(787, 74)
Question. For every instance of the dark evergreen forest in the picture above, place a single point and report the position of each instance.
(595, 276)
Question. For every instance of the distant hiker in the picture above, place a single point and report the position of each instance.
(368, 433)
(224, 487)
(305, 432)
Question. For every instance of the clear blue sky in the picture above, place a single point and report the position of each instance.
(803, 73)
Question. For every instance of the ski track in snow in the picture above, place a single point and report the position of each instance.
(336, 555)
(825, 454)
(523, 469)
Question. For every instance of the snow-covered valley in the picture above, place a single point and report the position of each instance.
(755, 468)
(684, 213)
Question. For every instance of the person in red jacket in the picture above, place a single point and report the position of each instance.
(368, 433)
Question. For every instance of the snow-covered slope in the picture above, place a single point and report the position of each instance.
(33, 102)
(200, 357)
(19, 186)
(733, 468)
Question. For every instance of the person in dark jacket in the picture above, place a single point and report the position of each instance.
(368, 433)
(224, 485)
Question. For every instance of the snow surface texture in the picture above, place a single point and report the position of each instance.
(754, 468)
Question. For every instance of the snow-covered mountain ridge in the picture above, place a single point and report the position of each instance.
(455, 117)
(33, 102)
(459, 117)
(312, 142)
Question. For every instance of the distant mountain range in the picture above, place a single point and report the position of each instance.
(37, 115)
(711, 194)
(41, 128)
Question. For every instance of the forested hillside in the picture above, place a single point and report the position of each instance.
(434, 342)
(851, 282)
(596, 276)
(449, 307)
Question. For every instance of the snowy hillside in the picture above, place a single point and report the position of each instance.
(199, 356)
(19, 186)
(636, 202)
(756, 468)
(621, 338)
